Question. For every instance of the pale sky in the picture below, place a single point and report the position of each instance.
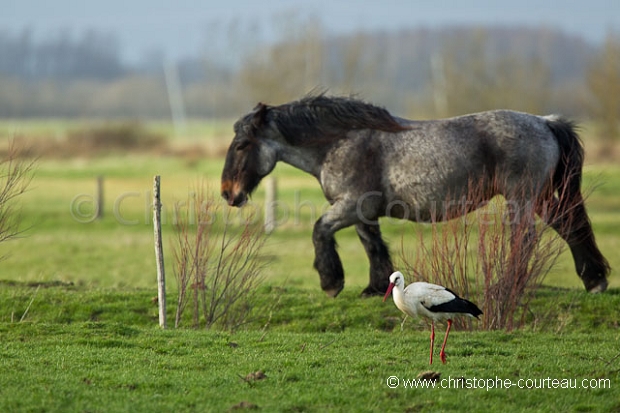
(184, 27)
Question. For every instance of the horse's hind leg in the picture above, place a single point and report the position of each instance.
(380, 263)
(575, 228)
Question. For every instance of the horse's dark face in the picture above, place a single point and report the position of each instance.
(248, 160)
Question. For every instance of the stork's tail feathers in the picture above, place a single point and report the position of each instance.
(458, 305)
(472, 308)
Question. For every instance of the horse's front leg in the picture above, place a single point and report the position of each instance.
(326, 259)
(379, 257)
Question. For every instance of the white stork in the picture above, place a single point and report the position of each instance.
(431, 301)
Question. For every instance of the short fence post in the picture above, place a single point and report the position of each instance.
(270, 204)
(159, 253)
(99, 211)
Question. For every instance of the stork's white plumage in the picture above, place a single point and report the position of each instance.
(431, 301)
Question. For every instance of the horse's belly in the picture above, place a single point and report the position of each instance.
(432, 205)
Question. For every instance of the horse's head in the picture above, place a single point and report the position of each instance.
(249, 158)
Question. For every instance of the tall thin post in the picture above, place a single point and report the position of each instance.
(159, 253)
(439, 85)
(175, 98)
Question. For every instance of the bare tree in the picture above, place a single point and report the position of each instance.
(289, 69)
(359, 63)
(15, 176)
(475, 79)
(603, 80)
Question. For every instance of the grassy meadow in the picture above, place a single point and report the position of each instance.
(78, 326)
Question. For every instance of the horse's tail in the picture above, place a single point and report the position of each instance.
(566, 178)
(569, 217)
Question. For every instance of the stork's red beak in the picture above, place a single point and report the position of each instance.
(388, 292)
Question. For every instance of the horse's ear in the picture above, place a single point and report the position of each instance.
(260, 115)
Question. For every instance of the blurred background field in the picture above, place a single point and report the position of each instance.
(89, 96)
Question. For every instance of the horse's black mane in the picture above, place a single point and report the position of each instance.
(319, 118)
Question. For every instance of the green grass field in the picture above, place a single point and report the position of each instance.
(78, 328)
(85, 349)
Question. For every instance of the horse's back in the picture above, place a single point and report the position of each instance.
(440, 160)
(498, 139)
(525, 150)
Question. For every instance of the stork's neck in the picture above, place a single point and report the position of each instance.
(399, 299)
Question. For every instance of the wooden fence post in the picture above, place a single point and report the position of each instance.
(270, 204)
(99, 211)
(159, 253)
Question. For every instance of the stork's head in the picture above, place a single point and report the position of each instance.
(396, 280)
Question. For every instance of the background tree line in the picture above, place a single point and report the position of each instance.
(418, 73)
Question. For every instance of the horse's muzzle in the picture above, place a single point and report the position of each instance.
(233, 194)
(239, 200)
(235, 200)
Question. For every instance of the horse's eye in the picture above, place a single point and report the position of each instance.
(242, 145)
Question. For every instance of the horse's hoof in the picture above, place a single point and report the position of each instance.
(372, 292)
(333, 291)
(598, 288)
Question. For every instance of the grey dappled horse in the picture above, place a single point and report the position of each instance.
(371, 164)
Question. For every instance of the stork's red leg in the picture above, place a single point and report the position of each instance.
(432, 340)
(442, 353)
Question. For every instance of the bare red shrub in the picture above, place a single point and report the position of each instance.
(218, 261)
(496, 256)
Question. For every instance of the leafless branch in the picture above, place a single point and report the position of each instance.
(220, 261)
